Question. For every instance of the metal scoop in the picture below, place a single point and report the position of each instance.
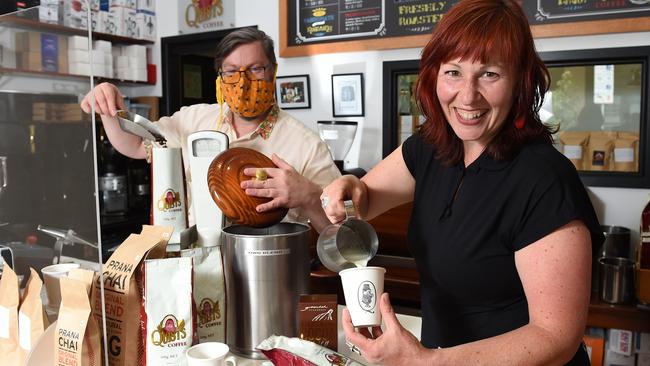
(137, 125)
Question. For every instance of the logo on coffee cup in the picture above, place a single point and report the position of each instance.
(169, 330)
(169, 200)
(367, 296)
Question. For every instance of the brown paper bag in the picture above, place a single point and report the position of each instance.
(9, 299)
(575, 143)
(209, 290)
(601, 149)
(76, 340)
(167, 318)
(123, 293)
(32, 320)
(626, 155)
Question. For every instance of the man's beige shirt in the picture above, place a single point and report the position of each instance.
(290, 139)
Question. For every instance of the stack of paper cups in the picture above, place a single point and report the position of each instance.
(169, 207)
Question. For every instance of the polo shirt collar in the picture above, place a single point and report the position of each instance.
(265, 128)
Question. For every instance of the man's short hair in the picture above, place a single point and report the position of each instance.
(242, 36)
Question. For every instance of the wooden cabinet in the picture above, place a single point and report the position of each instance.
(402, 279)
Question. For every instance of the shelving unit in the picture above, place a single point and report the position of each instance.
(31, 24)
(4, 70)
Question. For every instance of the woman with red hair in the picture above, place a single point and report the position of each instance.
(502, 227)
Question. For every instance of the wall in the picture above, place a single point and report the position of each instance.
(614, 206)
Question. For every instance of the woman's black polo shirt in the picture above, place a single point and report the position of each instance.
(464, 246)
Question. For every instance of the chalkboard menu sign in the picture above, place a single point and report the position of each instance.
(336, 20)
(562, 11)
(376, 24)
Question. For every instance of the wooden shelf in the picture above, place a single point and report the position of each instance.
(32, 24)
(98, 79)
(604, 315)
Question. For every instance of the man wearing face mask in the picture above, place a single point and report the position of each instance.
(248, 113)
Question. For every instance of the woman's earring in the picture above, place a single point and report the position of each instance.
(519, 123)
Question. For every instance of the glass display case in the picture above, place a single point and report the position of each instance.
(598, 99)
(49, 210)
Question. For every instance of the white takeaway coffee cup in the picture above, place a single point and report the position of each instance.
(51, 275)
(362, 287)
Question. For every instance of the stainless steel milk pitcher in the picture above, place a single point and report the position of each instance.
(348, 244)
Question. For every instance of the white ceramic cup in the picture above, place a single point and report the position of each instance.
(209, 354)
(51, 275)
(362, 287)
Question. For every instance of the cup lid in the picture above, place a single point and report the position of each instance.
(225, 174)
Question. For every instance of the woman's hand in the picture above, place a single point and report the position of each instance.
(348, 187)
(393, 346)
(284, 185)
(108, 100)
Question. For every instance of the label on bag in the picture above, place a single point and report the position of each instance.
(4, 322)
(24, 331)
(573, 151)
(624, 155)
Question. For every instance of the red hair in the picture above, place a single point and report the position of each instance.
(484, 30)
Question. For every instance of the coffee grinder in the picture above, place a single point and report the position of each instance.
(339, 136)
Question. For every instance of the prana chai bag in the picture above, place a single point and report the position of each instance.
(209, 293)
(122, 293)
(9, 299)
(76, 340)
(32, 320)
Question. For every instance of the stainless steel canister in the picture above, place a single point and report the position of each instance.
(266, 269)
(616, 280)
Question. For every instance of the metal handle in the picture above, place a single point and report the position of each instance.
(350, 212)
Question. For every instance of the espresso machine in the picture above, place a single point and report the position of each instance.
(339, 136)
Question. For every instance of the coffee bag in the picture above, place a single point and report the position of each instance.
(574, 145)
(167, 322)
(123, 294)
(9, 300)
(32, 320)
(601, 149)
(77, 340)
(209, 293)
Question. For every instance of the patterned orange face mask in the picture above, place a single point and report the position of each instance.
(247, 98)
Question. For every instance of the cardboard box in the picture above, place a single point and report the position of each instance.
(595, 349)
(642, 342)
(125, 20)
(620, 341)
(78, 43)
(148, 5)
(50, 52)
(7, 50)
(75, 14)
(146, 25)
(50, 12)
(63, 54)
(29, 41)
(616, 359)
(29, 61)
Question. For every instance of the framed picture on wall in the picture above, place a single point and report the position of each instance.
(347, 95)
(292, 92)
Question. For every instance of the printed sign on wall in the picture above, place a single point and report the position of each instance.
(205, 15)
